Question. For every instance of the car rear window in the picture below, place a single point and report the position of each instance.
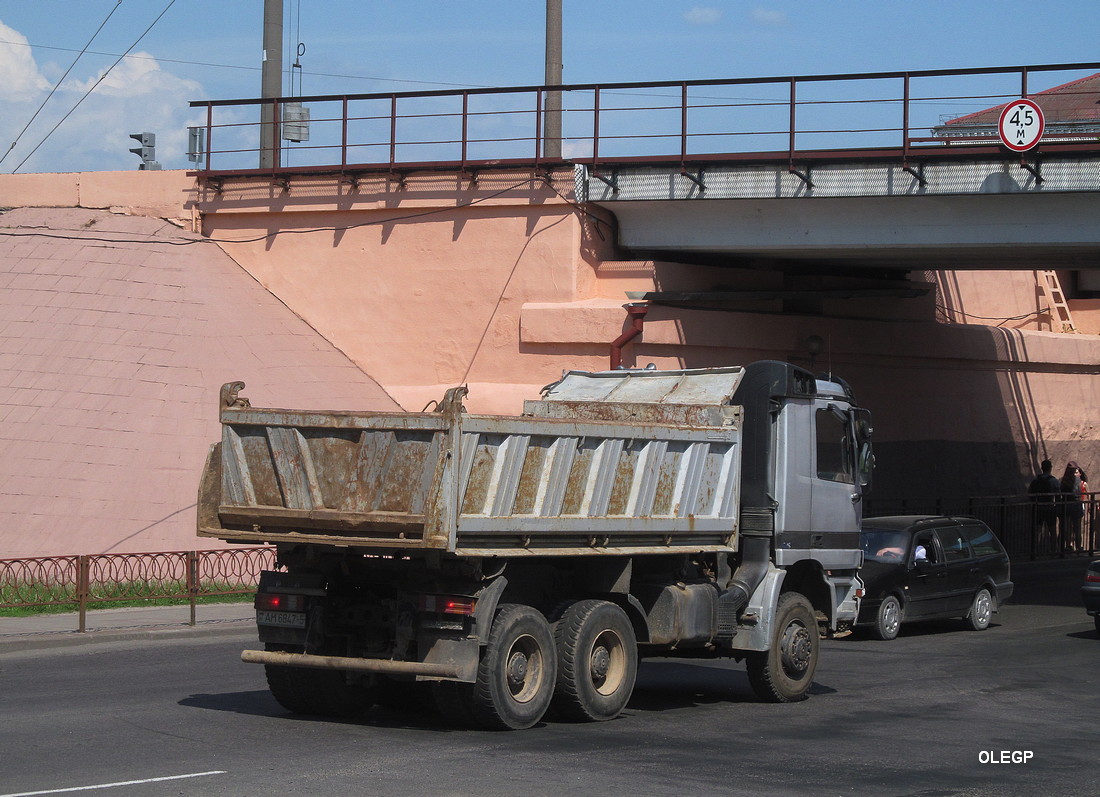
(982, 540)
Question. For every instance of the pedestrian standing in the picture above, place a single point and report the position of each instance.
(1074, 486)
(1044, 490)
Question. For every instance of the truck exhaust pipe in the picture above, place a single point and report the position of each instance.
(756, 557)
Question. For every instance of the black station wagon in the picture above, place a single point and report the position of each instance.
(917, 567)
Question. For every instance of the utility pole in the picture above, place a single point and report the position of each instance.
(271, 77)
(551, 125)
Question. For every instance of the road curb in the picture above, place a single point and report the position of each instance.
(51, 640)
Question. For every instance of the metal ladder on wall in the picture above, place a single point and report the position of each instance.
(1050, 287)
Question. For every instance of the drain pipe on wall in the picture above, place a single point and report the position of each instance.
(636, 316)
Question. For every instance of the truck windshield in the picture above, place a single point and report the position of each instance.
(884, 545)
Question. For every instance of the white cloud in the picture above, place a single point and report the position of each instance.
(135, 96)
(703, 15)
(22, 81)
(767, 16)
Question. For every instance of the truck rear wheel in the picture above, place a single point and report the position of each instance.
(515, 678)
(324, 693)
(784, 672)
(597, 661)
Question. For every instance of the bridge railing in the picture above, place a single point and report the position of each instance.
(887, 114)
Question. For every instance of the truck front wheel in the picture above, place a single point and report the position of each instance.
(597, 661)
(515, 678)
(784, 672)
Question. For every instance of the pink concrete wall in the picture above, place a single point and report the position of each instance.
(503, 284)
(159, 194)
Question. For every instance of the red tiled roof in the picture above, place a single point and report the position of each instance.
(114, 342)
(1076, 101)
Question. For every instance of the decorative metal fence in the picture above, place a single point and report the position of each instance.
(1026, 527)
(103, 578)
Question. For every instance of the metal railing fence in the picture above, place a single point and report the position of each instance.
(104, 578)
(898, 115)
(1028, 528)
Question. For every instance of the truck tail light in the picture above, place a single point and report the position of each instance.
(276, 602)
(447, 604)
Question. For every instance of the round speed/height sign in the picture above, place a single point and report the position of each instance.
(1021, 125)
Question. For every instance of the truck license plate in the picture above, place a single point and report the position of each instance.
(285, 619)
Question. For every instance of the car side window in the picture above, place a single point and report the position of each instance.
(955, 546)
(924, 549)
(982, 541)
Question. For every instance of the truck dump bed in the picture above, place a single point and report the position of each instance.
(609, 463)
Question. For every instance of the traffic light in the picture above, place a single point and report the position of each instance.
(147, 151)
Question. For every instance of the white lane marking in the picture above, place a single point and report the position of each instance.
(113, 785)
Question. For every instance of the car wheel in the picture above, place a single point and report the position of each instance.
(1097, 619)
(888, 619)
(981, 611)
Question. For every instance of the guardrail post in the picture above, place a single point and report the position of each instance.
(192, 580)
(83, 571)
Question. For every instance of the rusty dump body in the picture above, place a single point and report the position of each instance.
(617, 463)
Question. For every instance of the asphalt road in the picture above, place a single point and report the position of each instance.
(922, 715)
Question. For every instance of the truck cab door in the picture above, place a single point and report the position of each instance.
(835, 494)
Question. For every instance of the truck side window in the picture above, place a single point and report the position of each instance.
(834, 447)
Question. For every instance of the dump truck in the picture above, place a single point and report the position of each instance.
(504, 566)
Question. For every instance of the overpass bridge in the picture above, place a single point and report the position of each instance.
(831, 173)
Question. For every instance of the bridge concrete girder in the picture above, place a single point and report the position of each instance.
(1002, 231)
(994, 213)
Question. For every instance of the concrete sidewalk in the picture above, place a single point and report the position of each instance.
(42, 631)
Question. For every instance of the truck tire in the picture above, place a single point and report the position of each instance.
(887, 619)
(784, 672)
(597, 661)
(323, 693)
(515, 677)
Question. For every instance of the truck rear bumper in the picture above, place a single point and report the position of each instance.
(384, 666)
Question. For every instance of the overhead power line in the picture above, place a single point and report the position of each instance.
(59, 82)
(252, 68)
(95, 85)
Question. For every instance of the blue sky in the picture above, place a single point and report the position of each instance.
(207, 49)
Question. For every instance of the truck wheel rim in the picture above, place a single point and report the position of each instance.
(797, 649)
(524, 669)
(607, 665)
